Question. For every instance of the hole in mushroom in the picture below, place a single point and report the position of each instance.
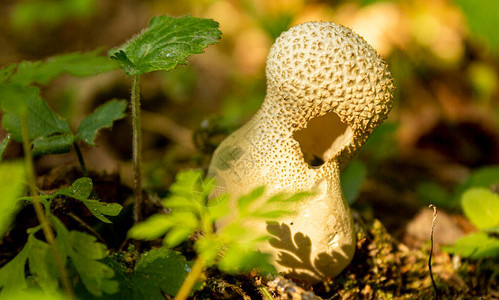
(323, 138)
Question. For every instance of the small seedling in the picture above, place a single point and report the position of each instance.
(233, 248)
(163, 45)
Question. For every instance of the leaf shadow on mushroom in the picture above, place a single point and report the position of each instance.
(296, 253)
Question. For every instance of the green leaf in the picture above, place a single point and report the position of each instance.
(102, 117)
(42, 265)
(352, 178)
(477, 245)
(42, 124)
(53, 144)
(11, 187)
(3, 145)
(165, 43)
(481, 206)
(244, 201)
(81, 190)
(85, 252)
(152, 228)
(159, 270)
(12, 276)
(102, 209)
(76, 64)
(31, 294)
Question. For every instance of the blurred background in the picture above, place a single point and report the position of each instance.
(443, 55)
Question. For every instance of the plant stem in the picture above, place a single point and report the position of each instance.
(39, 210)
(137, 149)
(80, 159)
(435, 288)
(190, 280)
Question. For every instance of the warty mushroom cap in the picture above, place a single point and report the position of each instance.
(316, 68)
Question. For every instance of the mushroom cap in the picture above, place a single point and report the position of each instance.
(318, 67)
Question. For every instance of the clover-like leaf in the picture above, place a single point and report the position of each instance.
(81, 190)
(165, 43)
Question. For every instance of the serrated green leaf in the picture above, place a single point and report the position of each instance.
(12, 276)
(42, 122)
(11, 187)
(157, 271)
(352, 178)
(84, 252)
(160, 270)
(102, 117)
(42, 265)
(3, 145)
(152, 228)
(244, 201)
(481, 206)
(75, 64)
(477, 245)
(165, 43)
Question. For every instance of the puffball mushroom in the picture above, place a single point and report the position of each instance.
(327, 90)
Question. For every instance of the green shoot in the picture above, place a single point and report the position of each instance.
(49, 133)
(164, 44)
(233, 247)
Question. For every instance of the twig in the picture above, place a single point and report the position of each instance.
(437, 292)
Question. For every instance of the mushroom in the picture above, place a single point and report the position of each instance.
(327, 90)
